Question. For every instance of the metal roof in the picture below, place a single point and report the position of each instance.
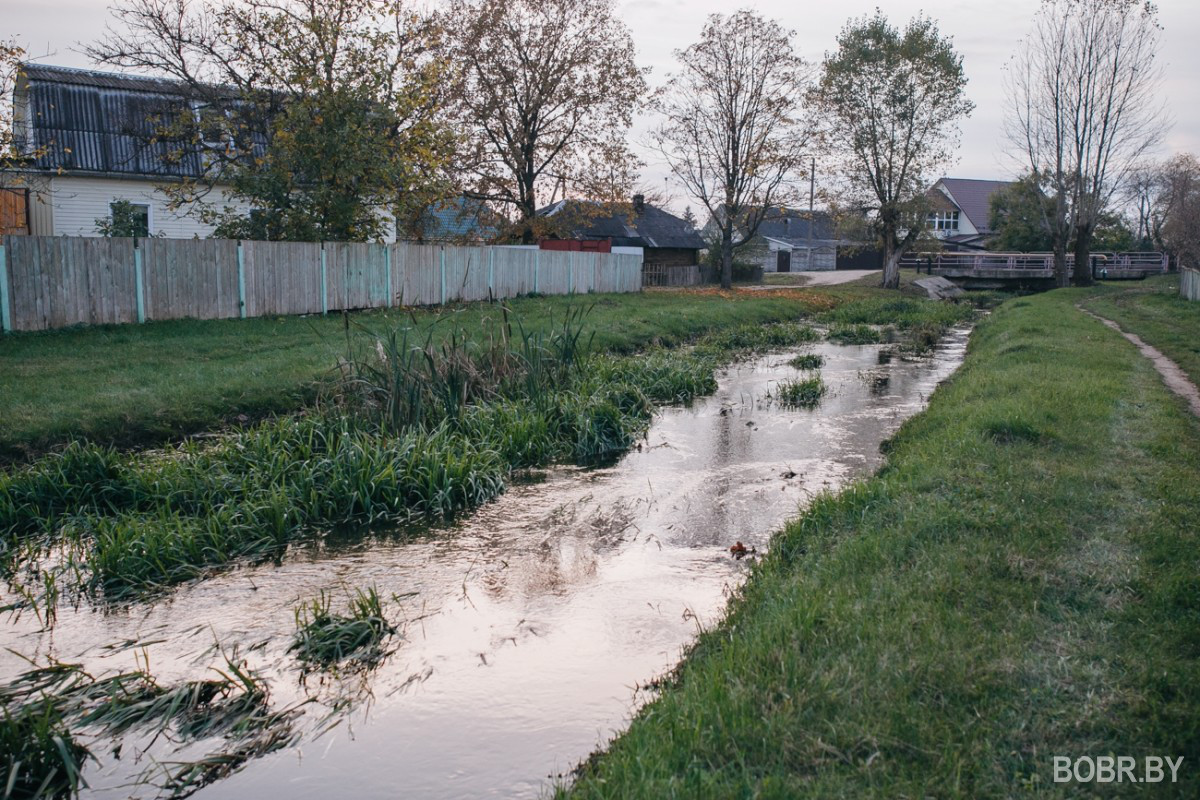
(652, 227)
(87, 121)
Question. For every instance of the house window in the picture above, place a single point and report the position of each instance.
(944, 221)
(130, 219)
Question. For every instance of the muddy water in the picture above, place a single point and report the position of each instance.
(529, 627)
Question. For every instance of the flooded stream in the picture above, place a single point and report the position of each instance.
(529, 627)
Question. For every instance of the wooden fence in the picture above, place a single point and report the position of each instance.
(671, 275)
(1189, 283)
(56, 281)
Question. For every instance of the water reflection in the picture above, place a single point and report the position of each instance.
(527, 627)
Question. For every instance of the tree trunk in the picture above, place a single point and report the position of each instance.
(1083, 256)
(1062, 272)
(891, 264)
(726, 259)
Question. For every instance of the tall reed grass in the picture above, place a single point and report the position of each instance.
(411, 430)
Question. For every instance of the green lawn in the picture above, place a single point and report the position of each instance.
(141, 384)
(1155, 311)
(1021, 581)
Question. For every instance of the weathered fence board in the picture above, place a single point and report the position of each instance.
(52, 282)
(1189, 283)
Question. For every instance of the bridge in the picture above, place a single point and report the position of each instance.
(998, 269)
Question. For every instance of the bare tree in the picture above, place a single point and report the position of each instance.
(892, 101)
(1083, 111)
(1176, 212)
(732, 131)
(546, 92)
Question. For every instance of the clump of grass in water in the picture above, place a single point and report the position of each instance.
(38, 756)
(42, 704)
(808, 361)
(855, 334)
(802, 393)
(325, 638)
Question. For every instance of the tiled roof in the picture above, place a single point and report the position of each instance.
(973, 197)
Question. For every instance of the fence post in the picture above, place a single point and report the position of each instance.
(537, 267)
(5, 319)
(241, 281)
(137, 279)
(570, 272)
(324, 284)
(442, 251)
(387, 265)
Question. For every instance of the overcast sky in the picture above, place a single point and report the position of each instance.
(985, 33)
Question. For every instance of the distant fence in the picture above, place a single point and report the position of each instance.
(56, 281)
(665, 275)
(1189, 283)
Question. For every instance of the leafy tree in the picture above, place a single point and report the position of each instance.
(321, 115)
(1020, 214)
(545, 94)
(1083, 111)
(732, 132)
(891, 102)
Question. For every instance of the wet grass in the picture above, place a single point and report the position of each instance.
(394, 442)
(844, 333)
(49, 710)
(142, 385)
(801, 392)
(325, 638)
(1018, 582)
(38, 756)
(808, 361)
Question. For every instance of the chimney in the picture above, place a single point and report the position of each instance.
(639, 203)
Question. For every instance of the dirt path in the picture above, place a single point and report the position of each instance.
(821, 278)
(1175, 378)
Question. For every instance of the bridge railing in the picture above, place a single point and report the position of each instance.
(1140, 261)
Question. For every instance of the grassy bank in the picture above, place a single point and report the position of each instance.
(1019, 582)
(137, 385)
(1155, 311)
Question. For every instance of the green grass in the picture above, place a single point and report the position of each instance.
(807, 361)
(844, 333)
(1155, 311)
(138, 385)
(1021, 580)
(411, 434)
(38, 756)
(325, 638)
(800, 392)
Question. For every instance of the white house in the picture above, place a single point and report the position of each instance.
(90, 137)
(960, 210)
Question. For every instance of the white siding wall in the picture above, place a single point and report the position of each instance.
(77, 202)
(72, 205)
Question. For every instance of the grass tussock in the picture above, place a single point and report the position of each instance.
(48, 710)
(983, 603)
(801, 393)
(325, 638)
(808, 361)
(843, 333)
